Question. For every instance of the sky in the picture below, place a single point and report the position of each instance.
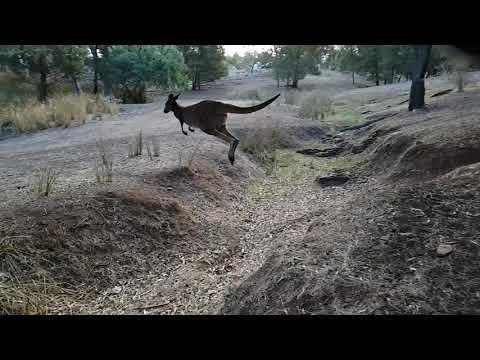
(242, 49)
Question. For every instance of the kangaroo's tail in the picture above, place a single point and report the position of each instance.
(228, 108)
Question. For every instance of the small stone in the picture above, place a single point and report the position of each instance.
(116, 290)
(444, 249)
(169, 188)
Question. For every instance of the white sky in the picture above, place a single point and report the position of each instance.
(242, 49)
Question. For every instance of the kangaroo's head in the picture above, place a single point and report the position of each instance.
(171, 102)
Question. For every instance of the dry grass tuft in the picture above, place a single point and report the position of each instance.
(136, 146)
(43, 182)
(315, 106)
(59, 111)
(104, 163)
(263, 145)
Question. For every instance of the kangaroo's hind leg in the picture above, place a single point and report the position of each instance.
(227, 138)
(233, 144)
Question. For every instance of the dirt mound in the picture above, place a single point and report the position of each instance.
(414, 155)
(92, 243)
(384, 262)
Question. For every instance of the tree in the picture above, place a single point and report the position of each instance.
(104, 69)
(234, 60)
(417, 90)
(249, 60)
(70, 59)
(31, 60)
(95, 66)
(370, 61)
(134, 67)
(290, 63)
(346, 58)
(205, 63)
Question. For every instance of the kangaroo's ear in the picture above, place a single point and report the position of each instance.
(176, 97)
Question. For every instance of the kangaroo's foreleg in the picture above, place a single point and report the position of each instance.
(183, 131)
(191, 129)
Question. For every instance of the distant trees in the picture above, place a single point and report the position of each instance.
(133, 67)
(204, 62)
(129, 69)
(234, 60)
(39, 61)
(381, 63)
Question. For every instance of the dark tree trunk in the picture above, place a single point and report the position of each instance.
(417, 90)
(295, 83)
(42, 87)
(353, 77)
(107, 81)
(94, 50)
(76, 86)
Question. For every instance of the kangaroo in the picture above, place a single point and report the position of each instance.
(211, 117)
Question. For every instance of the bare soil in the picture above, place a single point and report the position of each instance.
(187, 233)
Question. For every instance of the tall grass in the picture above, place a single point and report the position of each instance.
(263, 144)
(44, 180)
(135, 147)
(315, 106)
(104, 163)
(59, 111)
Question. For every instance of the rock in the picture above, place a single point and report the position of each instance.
(444, 250)
(116, 290)
(332, 180)
(169, 188)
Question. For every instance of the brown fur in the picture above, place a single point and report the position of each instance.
(211, 117)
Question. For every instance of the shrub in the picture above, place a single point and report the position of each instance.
(315, 106)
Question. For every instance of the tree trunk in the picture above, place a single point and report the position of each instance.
(107, 81)
(417, 90)
(94, 50)
(353, 77)
(42, 88)
(76, 86)
(295, 83)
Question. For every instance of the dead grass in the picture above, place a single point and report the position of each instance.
(44, 180)
(135, 147)
(263, 144)
(59, 111)
(255, 94)
(104, 163)
(315, 106)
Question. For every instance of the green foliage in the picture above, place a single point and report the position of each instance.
(387, 63)
(137, 65)
(70, 59)
(234, 60)
(291, 63)
(205, 62)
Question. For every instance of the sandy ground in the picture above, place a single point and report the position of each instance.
(241, 221)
